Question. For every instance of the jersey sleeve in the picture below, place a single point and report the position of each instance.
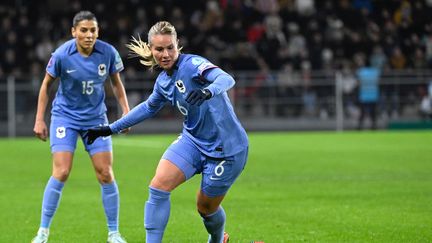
(53, 66)
(205, 66)
(205, 71)
(220, 81)
(116, 63)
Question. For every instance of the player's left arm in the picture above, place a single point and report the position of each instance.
(120, 93)
(220, 82)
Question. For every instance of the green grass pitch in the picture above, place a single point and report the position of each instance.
(296, 187)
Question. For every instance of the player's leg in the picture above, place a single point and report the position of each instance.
(173, 169)
(157, 208)
(102, 163)
(62, 164)
(213, 215)
(63, 143)
(218, 176)
(101, 155)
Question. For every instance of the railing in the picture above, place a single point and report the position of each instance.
(262, 100)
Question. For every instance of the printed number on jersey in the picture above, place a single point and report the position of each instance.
(87, 87)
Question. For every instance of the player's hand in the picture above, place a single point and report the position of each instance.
(93, 133)
(41, 131)
(198, 96)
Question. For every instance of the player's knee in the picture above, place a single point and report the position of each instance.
(61, 174)
(206, 208)
(105, 175)
(162, 184)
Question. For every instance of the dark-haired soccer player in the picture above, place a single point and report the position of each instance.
(82, 65)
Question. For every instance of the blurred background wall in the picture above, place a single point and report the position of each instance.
(296, 62)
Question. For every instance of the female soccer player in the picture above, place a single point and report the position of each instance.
(82, 65)
(212, 142)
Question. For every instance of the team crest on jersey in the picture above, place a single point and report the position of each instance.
(102, 69)
(180, 86)
(197, 61)
(61, 132)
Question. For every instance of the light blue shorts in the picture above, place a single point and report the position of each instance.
(64, 135)
(218, 174)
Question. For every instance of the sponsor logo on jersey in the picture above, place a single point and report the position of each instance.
(118, 62)
(197, 61)
(214, 178)
(119, 65)
(102, 69)
(205, 66)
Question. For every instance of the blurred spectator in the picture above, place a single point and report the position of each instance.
(378, 59)
(427, 40)
(363, 4)
(325, 33)
(426, 103)
(274, 39)
(418, 60)
(349, 84)
(305, 7)
(267, 6)
(308, 93)
(289, 91)
(397, 59)
(403, 13)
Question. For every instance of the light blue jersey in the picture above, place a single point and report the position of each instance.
(80, 96)
(369, 86)
(213, 127)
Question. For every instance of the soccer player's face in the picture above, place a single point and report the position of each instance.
(86, 32)
(165, 50)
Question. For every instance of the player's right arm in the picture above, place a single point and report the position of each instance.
(141, 112)
(40, 128)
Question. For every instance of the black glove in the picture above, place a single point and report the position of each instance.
(96, 132)
(197, 96)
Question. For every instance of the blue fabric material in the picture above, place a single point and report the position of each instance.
(51, 199)
(157, 211)
(110, 201)
(81, 95)
(64, 133)
(215, 224)
(369, 84)
(212, 126)
(218, 175)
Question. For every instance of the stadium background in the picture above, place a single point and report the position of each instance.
(294, 62)
(287, 56)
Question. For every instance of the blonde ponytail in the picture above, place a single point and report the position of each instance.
(141, 49)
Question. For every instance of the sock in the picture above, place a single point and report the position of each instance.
(157, 211)
(51, 199)
(110, 201)
(215, 224)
